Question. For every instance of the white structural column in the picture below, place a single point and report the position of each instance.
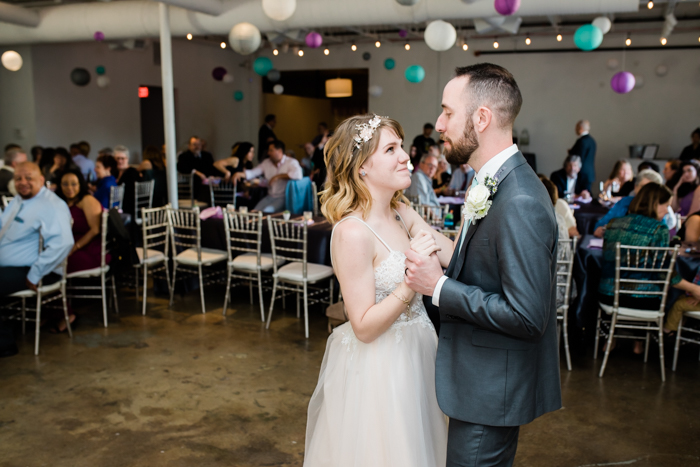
(166, 70)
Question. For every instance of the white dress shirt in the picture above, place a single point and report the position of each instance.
(491, 168)
(268, 169)
(571, 184)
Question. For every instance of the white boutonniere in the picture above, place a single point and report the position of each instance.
(480, 199)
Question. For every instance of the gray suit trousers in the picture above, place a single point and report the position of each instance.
(472, 445)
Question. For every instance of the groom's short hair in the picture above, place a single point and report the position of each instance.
(495, 87)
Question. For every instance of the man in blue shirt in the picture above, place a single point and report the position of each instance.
(87, 167)
(621, 207)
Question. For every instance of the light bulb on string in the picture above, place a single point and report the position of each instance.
(628, 41)
(377, 44)
(189, 37)
(275, 52)
(353, 47)
(326, 51)
(528, 41)
(663, 41)
(559, 37)
(650, 5)
(465, 46)
(223, 45)
(407, 46)
(495, 44)
(300, 53)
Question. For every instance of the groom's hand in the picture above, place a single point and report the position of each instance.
(422, 272)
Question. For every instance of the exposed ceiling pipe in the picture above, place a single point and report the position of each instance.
(138, 19)
(208, 7)
(18, 15)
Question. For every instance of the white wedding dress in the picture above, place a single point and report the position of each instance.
(375, 404)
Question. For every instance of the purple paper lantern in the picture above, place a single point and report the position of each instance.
(506, 7)
(218, 73)
(99, 36)
(314, 40)
(403, 33)
(623, 82)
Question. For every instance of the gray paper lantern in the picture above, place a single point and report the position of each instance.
(274, 75)
(80, 76)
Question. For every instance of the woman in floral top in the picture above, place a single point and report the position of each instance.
(641, 227)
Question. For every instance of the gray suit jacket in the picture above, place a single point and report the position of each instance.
(498, 357)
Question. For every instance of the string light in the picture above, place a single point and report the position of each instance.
(650, 5)
(275, 52)
(377, 44)
(223, 45)
(189, 37)
(465, 47)
(663, 41)
(628, 41)
(301, 53)
(353, 48)
(528, 41)
(559, 37)
(326, 51)
(407, 46)
(495, 44)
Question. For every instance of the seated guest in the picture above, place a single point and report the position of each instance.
(46, 161)
(422, 143)
(672, 173)
(277, 169)
(685, 188)
(13, 158)
(198, 162)
(461, 179)
(421, 189)
(37, 152)
(690, 231)
(153, 168)
(61, 162)
(686, 302)
(87, 167)
(564, 214)
(442, 177)
(620, 180)
(241, 158)
(105, 152)
(306, 161)
(567, 180)
(620, 208)
(318, 161)
(127, 176)
(554, 196)
(641, 227)
(647, 165)
(692, 151)
(104, 168)
(86, 212)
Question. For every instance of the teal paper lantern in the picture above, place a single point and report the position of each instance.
(588, 37)
(100, 70)
(415, 73)
(262, 65)
(389, 63)
(238, 96)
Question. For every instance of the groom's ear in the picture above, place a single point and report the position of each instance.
(482, 118)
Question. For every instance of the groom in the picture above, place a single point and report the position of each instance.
(498, 360)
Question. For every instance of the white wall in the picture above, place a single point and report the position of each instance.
(17, 117)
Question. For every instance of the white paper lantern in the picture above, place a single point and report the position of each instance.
(375, 90)
(244, 38)
(278, 89)
(102, 81)
(638, 81)
(228, 79)
(279, 10)
(613, 63)
(603, 23)
(407, 2)
(440, 36)
(11, 60)
(661, 70)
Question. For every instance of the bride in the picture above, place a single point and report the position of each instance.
(375, 402)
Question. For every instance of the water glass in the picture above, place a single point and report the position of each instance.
(308, 215)
(243, 209)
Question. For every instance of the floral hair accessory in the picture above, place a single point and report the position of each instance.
(365, 131)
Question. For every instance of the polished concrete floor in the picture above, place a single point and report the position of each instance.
(179, 388)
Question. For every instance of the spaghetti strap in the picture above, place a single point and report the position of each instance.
(404, 224)
(366, 224)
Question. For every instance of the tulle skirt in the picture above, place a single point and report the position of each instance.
(375, 404)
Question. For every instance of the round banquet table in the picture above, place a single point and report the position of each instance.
(318, 240)
(586, 274)
(587, 215)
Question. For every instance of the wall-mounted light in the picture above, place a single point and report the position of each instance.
(189, 37)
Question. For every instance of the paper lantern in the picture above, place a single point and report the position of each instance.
(403, 33)
(613, 63)
(102, 81)
(366, 56)
(11, 60)
(588, 37)
(389, 63)
(278, 89)
(338, 87)
(661, 70)
(99, 36)
(407, 2)
(244, 38)
(100, 70)
(279, 10)
(603, 23)
(440, 36)
(218, 73)
(638, 81)
(80, 76)
(274, 75)
(506, 7)
(622, 82)
(238, 96)
(375, 90)
(262, 65)
(228, 79)
(313, 40)
(415, 73)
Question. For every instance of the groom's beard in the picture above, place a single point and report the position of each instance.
(462, 151)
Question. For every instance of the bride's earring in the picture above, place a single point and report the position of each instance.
(363, 173)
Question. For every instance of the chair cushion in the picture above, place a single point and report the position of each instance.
(293, 272)
(154, 256)
(44, 289)
(692, 314)
(94, 272)
(249, 262)
(633, 314)
(187, 204)
(209, 256)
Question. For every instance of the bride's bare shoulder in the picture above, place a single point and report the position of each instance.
(352, 232)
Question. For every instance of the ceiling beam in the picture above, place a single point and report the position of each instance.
(17, 15)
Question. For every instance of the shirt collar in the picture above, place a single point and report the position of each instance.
(495, 163)
(584, 133)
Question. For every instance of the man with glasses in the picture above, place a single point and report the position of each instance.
(421, 189)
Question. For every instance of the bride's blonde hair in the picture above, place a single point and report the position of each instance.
(345, 191)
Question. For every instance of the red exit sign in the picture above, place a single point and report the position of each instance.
(143, 92)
